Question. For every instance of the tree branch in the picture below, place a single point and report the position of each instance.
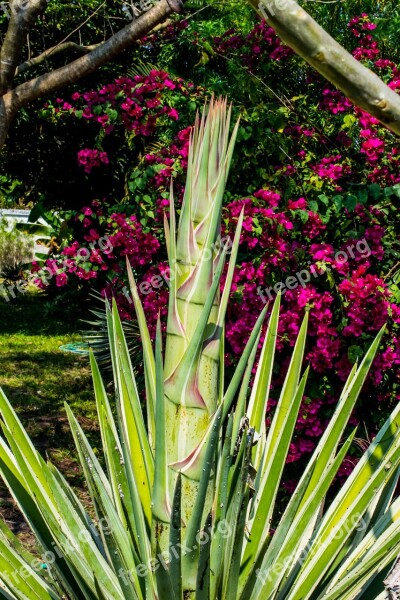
(66, 46)
(364, 88)
(23, 15)
(50, 52)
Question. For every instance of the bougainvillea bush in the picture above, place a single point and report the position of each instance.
(319, 181)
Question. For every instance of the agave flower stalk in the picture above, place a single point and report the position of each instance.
(192, 364)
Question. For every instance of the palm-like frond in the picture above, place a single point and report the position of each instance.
(141, 67)
(97, 339)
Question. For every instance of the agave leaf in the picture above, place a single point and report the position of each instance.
(179, 379)
(234, 383)
(22, 565)
(160, 497)
(133, 429)
(191, 465)
(203, 571)
(175, 541)
(148, 356)
(189, 560)
(76, 503)
(212, 343)
(13, 429)
(277, 447)
(174, 326)
(20, 578)
(219, 510)
(237, 519)
(378, 507)
(329, 441)
(281, 553)
(241, 403)
(260, 392)
(120, 551)
(97, 338)
(377, 549)
(9, 538)
(330, 438)
(55, 506)
(46, 541)
(69, 530)
(112, 452)
(327, 446)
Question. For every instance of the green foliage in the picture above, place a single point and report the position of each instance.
(9, 191)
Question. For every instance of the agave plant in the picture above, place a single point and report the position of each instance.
(185, 498)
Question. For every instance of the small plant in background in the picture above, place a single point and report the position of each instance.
(16, 251)
(186, 500)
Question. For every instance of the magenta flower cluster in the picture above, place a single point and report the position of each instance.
(136, 103)
(260, 42)
(89, 158)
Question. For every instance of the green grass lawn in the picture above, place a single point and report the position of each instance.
(38, 378)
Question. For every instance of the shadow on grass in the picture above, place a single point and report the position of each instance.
(29, 314)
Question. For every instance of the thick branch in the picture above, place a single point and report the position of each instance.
(87, 64)
(298, 30)
(53, 51)
(7, 114)
(23, 16)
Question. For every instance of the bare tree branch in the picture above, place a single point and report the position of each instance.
(66, 46)
(53, 51)
(23, 16)
(364, 88)
(82, 24)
